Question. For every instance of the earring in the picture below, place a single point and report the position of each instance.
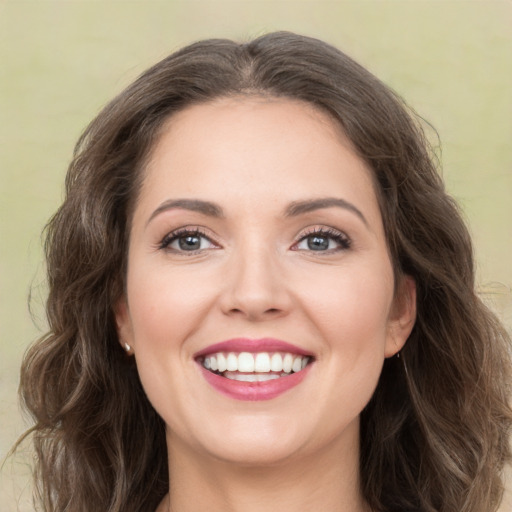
(127, 347)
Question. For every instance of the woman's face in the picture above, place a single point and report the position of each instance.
(258, 228)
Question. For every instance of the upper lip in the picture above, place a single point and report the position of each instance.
(252, 345)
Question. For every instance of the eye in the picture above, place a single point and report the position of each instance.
(187, 240)
(323, 240)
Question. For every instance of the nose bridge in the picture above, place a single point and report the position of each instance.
(255, 284)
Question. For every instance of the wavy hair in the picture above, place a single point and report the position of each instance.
(434, 437)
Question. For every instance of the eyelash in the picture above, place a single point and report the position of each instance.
(339, 237)
(182, 232)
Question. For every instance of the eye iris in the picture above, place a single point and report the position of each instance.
(190, 242)
(318, 243)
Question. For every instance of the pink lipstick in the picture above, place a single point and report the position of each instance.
(253, 369)
(254, 390)
(252, 345)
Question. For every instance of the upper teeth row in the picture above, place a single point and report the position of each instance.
(259, 362)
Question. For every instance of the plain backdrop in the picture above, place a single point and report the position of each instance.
(61, 61)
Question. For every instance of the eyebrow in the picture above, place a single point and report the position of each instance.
(292, 210)
(194, 205)
(300, 207)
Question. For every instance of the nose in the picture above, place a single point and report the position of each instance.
(255, 286)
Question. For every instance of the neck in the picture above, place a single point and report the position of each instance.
(327, 481)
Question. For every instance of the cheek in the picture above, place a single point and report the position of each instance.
(166, 308)
(352, 319)
(351, 304)
(166, 305)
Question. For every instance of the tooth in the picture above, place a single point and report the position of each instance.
(297, 364)
(271, 376)
(276, 363)
(245, 362)
(262, 362)
(287, 363)
(251, 377)
(221, 362)
(245, 377)
(232, 362)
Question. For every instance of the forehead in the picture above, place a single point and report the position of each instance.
(247, 113)
(255, 147)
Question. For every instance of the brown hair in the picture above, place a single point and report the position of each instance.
(434, 437)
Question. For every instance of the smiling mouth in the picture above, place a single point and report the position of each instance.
(254, 367)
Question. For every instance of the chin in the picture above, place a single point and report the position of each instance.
(250, 441)
(256, 454)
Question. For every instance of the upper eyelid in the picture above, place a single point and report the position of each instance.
(176, 233)
(328, 232)
(325, 230)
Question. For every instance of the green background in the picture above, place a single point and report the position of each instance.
(60, 62)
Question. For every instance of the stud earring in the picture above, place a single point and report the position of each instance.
(127, 347)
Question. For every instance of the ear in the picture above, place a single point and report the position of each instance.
(402, 316)
(124, 325)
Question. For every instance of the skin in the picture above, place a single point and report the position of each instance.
(256, 276)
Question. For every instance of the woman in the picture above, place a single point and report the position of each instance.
(262, 298)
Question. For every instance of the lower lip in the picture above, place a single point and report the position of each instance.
(254, 391)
